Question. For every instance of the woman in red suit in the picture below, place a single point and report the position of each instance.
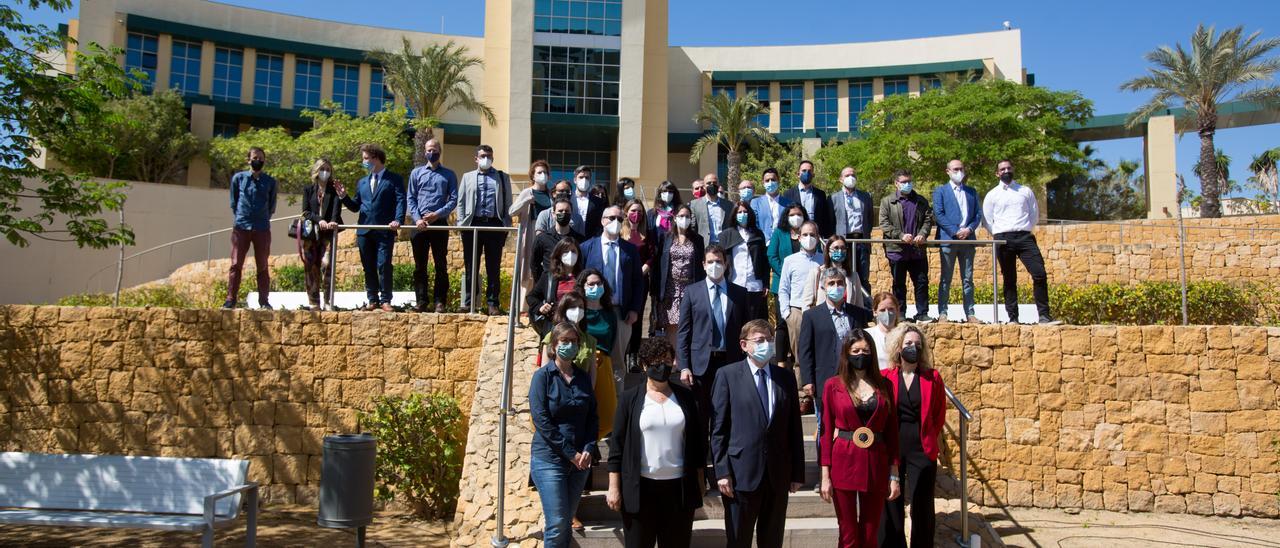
(860, 456)
(922, 407)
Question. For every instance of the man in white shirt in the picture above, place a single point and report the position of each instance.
(1011, 212)
(770, 207)
(955, 209)
(795, 284)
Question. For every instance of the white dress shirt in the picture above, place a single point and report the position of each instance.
(963, 200)
(716, 215)
(882, 350)
(795, 283)
(768, 382)
(1010, 208)
(744, 272)
(662, 432)
(853, 212)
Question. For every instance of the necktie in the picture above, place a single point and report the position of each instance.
(717, 315)
(373, 183)
(762, 389)
(611, 269)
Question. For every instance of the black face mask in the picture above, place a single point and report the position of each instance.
(433, 156)
(712, 190)
(256, 165)
(910, 354)
(1006, 178)
(858, 362)
(659, 371)
(562, 218)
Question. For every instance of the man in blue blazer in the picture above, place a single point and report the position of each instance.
(854, 219)
(756, 442)
(958, 214)
(772, 206)
(380, 199)
(619, 260)
(712, 311)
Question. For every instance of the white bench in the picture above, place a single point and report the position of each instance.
(172, 494)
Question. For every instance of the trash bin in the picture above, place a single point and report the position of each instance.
(346, 480)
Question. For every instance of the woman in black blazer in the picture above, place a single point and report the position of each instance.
(657, 455)
(741, 229)
(561, 278)
(322, 207)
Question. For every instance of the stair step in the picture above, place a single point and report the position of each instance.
(805, 503)
(800, 533)
(599, 480)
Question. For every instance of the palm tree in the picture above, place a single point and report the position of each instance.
(733, 126)
(432, 81)
(1219, 168)
(1266, 177)
(1216, 66)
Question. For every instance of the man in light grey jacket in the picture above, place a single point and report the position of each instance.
(484, 195)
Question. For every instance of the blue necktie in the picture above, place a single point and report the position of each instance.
(611, 269)
(762, 388)
(717, 315)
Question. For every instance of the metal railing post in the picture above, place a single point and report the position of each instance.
(208, 250)
(473, 280)
(995, 285)
(513, 315)
(965, 417)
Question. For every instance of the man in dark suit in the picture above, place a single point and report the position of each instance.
(711, 312)
(619, 261)
(958, 214)
(380, 199)
(813, 199)
(854, 219)
(484, 196)
(587, 207)
(756, 443)
(823, 330)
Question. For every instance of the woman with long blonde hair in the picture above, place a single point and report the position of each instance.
(322, 208)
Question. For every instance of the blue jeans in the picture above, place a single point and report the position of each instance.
(560, 488)
(949, 254)
(375, 256)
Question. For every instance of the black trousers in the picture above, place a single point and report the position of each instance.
(918, 481)
(781, 336)
(918, 270)
(762, 512)
(662, 517)
(1021, 246)
(757, 305)
(433, 244)
(490, 245)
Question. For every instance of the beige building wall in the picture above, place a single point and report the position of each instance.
(508, 84)
(642, 120)
(1161, 167)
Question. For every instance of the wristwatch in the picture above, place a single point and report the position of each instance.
(894, 478)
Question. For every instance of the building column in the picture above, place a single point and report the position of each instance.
(508, 83)
(208, 56)
(247, 74)
(877, 89)
(326, 80)
(287, 80)
(775, 108)
(842, 108)
(1160, 164)
(198, 170)
(164, 62)
(362, 95)
(913, 86)
(642, 113)
(808, 105)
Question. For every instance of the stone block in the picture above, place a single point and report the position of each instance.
(1226, 504)
(254, 440)
(289, 469)
(1224, 400)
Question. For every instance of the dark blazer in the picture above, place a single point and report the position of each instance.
(588, 225)
(842, 217)
(662, 270)
(946, 211)
(626, 447)
(693, 335)
(543, 244)
(892, 223)
(381, 207)
(743, 444)
(541, 292)
(314, 211)
(822, 215)
(818, 347)
(631, 298)
(757, 248)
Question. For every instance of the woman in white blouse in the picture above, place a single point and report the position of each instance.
(657, 455)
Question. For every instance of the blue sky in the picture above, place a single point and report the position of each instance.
(1090, 46)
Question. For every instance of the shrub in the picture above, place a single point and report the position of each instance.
(218, 291)
(421, 441)
(1156, 303)
(163, 296)
(289, 278)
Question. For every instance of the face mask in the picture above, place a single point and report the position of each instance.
(795, 221)
(366, 165)
(771, 186)
(806, 176)
(697, 193)
(634, 217)
(682, 222)
(836, 293)
(808, 242)
(567, 350)
(715, 271)
(574, 314)
(910, 354)
(629, 193)
(1006, 178)
(741, 218)
(887, 318)
(540, 178)
(324, 175)
(433, 156)
(905, 188)
(858, 362)
(594, 292)
(957, 177)
(659, 372)
(837, 255)
(746, 194)
(712, 190)
(563, 218)
(763, 352)
(584, 184)
(569, 259)
(256, 165)
(850, 181)
(613, 227)
(485, 163)
(666, 197)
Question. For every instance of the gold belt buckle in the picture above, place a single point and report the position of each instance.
(863, 437)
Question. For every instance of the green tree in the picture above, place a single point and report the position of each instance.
(1214, 68)
(784, 156)
(334, 135)
(1100, 193)
(432, 81)
(140, 138)
(979, 123)
(38, 97)
(733, 126)
(1266, 179)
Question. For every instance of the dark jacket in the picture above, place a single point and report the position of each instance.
(312, 210)
(693, 335)
(626, 447)
(588, 224)
(891, 221)
(661, 270)
(378, 207)
(757, 248)
(631, 291)
(818, 351)
(822, 215)
(744, 444)
(543, 291)
(543, 244)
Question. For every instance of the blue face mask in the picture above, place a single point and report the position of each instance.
(746, 194)
(763, 352)
(366, 165)
(742, 219)
(905, 188)
(594, 292)
(567, 350)
(836, 294)
(806, 176)
(837, 256)
(629, 193)
(770, 186)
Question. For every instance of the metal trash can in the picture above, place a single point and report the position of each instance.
(346, 481)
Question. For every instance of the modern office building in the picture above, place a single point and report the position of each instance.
(574, 82)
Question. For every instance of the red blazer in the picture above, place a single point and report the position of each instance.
(933, 406)
(854, 468)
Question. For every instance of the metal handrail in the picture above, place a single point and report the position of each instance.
(965, 417)
(1155, 223)
(995, 273)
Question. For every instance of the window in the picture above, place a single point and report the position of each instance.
(380, 95)
(930, 83)
(563, 162)
(184, 68)
(861, 93)
(791, 107)
(225, 129)
(141, 54)
(306, 83)
(826, 105)
(728, 89)
(268, 79)
(346, 86)
(762, 95)
(571, 80)
(895, 87)
(228, 67)
(598, 17)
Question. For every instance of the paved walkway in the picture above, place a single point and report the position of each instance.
(1035, 528)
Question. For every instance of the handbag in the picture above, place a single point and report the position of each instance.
(303, 229)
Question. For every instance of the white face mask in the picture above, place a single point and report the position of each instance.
(850, 181)
(682, 222)
(323, 175)
(666, 197)
(613, 227)
(569, 259)
(795, 221)
(957, 177)
(808, 243)
(540, 178)
(573, 314)
(715, 271)
(584, 184)
(485, 163)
